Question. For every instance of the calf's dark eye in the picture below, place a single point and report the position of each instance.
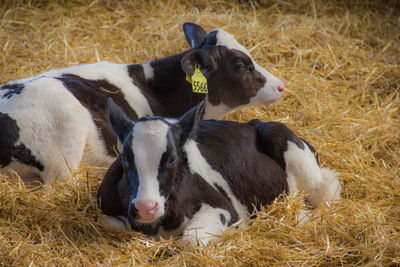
(240, 67)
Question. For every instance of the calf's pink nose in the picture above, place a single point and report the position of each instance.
(281, 88)
(145, 205)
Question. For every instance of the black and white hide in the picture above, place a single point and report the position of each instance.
(57, 120)
(192, 179)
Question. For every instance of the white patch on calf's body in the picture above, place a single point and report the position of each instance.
(303, 166)
(148, 71)
(50, 120)
(198, 164)
(148, 144)
(205, 224)
(212, 112)
(304, 173)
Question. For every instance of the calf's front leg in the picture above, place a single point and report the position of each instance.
(205, 225)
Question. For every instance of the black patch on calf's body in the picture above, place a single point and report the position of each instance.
(13, 89)
(136, 72)
(249, 173)
(169, 94)
(24, 155)
(9, 135)
(93, 95)
(9, 151)
(272, 139)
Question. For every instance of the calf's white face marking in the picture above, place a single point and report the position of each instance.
(148, 145)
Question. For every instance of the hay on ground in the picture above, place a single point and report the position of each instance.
(340, 62)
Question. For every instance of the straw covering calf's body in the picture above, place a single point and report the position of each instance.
(58, 119)
(196, 178)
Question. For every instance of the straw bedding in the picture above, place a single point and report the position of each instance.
(340, 62)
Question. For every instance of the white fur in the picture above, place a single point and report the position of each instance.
(148, 71)
(215, 111)
(149, 143)
(198, 164)
(269, 92)
(303, 173)
(57, 129)
(330, 188)
(204, 225)
(113, 222)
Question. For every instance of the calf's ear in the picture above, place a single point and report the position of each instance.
(189, 121)
(194, 34)
(198, 57)
(119, 122)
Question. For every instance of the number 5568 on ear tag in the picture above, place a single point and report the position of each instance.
(199, 82)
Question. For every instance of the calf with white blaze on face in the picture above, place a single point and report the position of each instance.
(57, 120)
(193, 178)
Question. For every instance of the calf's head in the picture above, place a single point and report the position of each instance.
(234, 78)
(150, 158)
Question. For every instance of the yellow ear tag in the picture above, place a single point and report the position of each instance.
(198, 81)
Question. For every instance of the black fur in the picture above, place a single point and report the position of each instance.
(13, 89)
(194, 34)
